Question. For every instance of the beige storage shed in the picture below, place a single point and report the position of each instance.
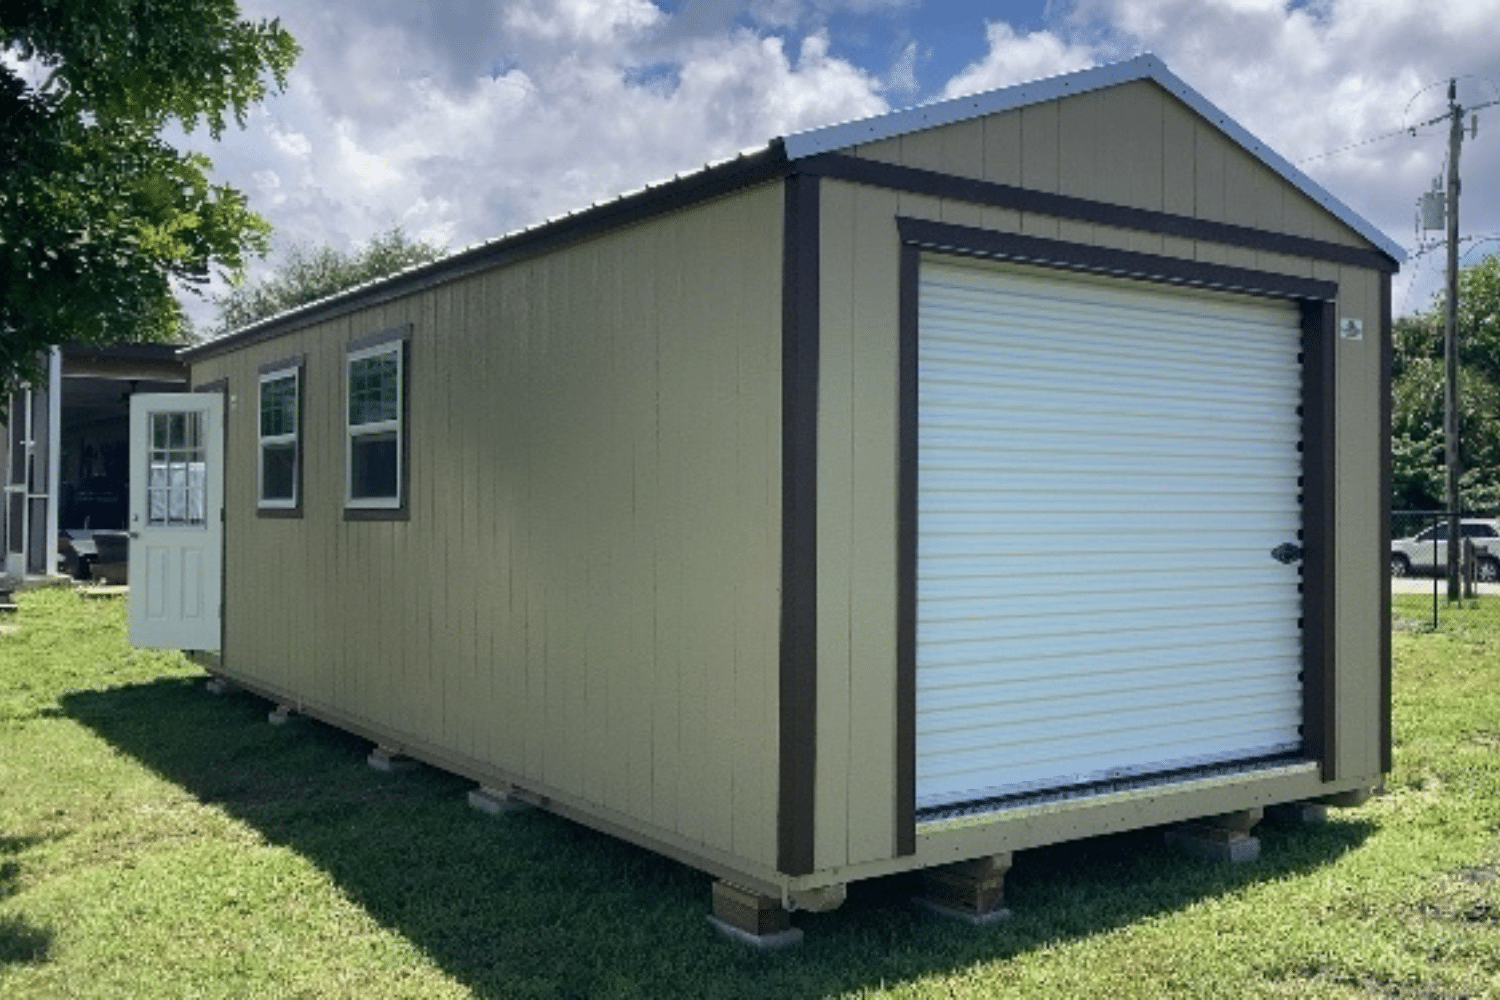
(899, 495)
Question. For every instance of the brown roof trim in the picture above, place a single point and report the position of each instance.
(966, 240)
(713, 181)
(839, 166)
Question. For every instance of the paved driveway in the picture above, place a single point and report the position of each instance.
(1424, 585)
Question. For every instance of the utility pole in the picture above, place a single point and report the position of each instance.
(1450, 342)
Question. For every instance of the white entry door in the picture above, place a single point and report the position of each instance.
(176, 519)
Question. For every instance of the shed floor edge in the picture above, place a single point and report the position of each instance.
(938, 842)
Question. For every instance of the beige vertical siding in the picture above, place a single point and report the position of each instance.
(1361, 565)
(585, 598)
(1132, 145)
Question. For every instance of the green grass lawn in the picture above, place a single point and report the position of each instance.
(158, 841)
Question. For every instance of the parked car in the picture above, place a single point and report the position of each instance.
(1427, 550)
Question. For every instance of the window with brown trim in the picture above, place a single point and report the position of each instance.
(376, 406)
(280, 458)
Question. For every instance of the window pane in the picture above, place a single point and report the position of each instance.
(372, 467)
(17, 441)
(278, 477)
(16, 513)
(374, 389)
(278, 407)
(175, 478)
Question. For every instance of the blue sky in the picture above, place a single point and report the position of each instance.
(460, 120)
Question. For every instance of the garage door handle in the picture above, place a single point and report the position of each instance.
(1286, 553)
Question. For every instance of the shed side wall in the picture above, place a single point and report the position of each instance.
(1135, 145)
(584, 598)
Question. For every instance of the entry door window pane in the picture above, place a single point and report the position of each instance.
(176, 480)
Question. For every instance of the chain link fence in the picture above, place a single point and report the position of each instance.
(1420, 592)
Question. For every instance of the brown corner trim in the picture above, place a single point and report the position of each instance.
(841, 166)
(1319, 730)
(906, 553)
(798, 682)
(1386, 736)
(968, 241)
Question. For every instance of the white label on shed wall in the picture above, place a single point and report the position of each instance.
(1104, 468)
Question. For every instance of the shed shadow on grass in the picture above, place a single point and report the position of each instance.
(530, 905)
(21, 943)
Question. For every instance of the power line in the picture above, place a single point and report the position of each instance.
(1362, 142)
(1410, 130)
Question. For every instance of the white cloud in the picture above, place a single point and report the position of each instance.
(902, 78)
(1016, 58)
(469, 118)
(464, 121)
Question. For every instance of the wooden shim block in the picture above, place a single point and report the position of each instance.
(765, 942)
(759, 917)
(1348, 800)
(1213, 843)
(1239, 822)
(496, 802)
(1298, 813)
(973, 888)
(386, 759)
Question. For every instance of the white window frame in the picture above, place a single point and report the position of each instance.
(293, 371)
(352, 431)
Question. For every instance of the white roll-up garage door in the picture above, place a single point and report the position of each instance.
(1104, 466)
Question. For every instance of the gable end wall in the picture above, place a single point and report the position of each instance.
(1084, 147)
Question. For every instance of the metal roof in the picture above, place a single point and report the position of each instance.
(801, 145)
(765, 162)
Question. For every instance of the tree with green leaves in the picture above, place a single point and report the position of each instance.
(311, 273)
(1419, 476)
(100, 217)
